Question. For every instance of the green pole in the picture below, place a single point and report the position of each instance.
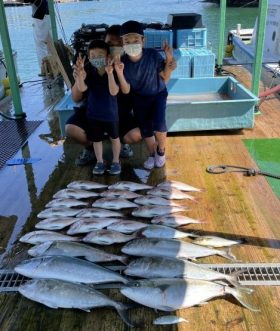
(223, 5)
(53, 21)
(8, 53)
(257, 68)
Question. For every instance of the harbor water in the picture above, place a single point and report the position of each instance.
(72, 15)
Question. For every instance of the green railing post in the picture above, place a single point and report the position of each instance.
(53, 21)
(8, 53)
(257, 69)
(221, 49)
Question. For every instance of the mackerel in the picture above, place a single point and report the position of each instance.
(113, 203)
(85, 185)
(131, 186)
(97, 212)
(85, 225)
(58, 212)
(65, 202)
(74, 249)
(107, 237)
(162, 231)
(174, 220)
(60, 294)
(69, 269)
(171, 248)
(171, 193)
(179, 186)
(75, 194)
(126, 226)
(115, 193)
(154, 200)
(152, 211)
(55, 223)
(38, 237)
(213, 241)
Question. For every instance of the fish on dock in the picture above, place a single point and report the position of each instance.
(216, 242)
(169, 319)
(178, 185)
(74, 194)
(68, 268)
(162, 231)
(75, 249)
(41, 236)
(58, 212)
(98, 212)
(149, 200)
(60, 294)
(85, 185)
(107, 237)
(85, 225)
(113, 203)
(172, 193)
(153, 211)
(55, 223)
(115, 193)
(174, 221)
(126, 226)
(65, 202)
(131, 186)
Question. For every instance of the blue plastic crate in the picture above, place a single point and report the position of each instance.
(203, 63)
(183, 59)
(156, 38)
(191, 38)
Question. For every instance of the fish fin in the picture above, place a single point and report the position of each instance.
(240, 295)
(122, 311)
(233, 277)
(123, 259)
(166, 308)
(86, 310)
(227, 254)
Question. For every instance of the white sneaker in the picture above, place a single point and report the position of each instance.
(159, 160)
(149, 163)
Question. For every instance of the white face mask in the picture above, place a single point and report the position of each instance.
(98, 62)
(116, 50)
(133, 49)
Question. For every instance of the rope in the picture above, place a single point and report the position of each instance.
(220, 169)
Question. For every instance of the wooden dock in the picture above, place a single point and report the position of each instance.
(232, 205)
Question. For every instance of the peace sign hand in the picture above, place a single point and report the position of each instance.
(168, 51)
(109, 67)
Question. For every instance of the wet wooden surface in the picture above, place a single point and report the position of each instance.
(232, 205)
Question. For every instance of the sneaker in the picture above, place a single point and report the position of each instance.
(99, 168)
(159, 160)
(86, 156)
(126, 151)
(115, 169)
(149, 163)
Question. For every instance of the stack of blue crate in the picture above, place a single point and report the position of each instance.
(203, 62)
(156, 38)
(184, 63)
(191, 38)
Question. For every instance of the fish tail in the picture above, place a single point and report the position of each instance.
(122, 311)
(233, 277)
(240, 294)
(123, 259)
(227, 254)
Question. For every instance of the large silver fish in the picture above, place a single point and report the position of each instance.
(171, 248)
(113, 203)
(58, 212)
(131, 186)
(97, 212)
(162, 231)
(74, 249)
(126, 226)
(41, 236)
(66, 202)
(85, 185)
(213, 241)
(85, 225)
(152, 211)
(178, 185)
(55, 223)
(165, 267)
(60, 294)
(174, 220)
(125, 194)
(154, 200)
(69, 269)
(169, 294)
(75, 194)
(171, 193)
(107, 237)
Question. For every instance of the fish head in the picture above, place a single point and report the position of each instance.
(40, 249)
(30, 264)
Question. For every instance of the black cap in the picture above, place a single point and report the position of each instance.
(132, 27)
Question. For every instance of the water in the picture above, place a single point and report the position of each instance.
(114, 12)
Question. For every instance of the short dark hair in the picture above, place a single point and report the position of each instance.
(98, 43)
(114, 30)
(132, 27)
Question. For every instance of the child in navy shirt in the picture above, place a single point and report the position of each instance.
(146, 74)
(102, 110)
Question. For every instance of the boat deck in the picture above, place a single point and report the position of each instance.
(232, 205)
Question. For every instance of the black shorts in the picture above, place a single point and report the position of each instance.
(127, 121)
(96, 129)
(79, 118)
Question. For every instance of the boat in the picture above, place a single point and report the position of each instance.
(231, 205)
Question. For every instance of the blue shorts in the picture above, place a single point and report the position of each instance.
(149, 112)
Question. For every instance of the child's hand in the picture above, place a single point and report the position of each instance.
(109, 67)
(79, 72)
(172, 65)
(168, 51)
(119, 66)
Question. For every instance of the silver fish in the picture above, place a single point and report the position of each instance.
(169, 294)
(213, 241)
(126, 226)
(174, 220)
(85, 185)
(171, 248)
(97, 212)
(131, 186)
(169, 319)
(55, 223)
(153, 200)
(114, 193)
(69, 269)
(113, 203)
(75, 194)
(85, 225)
(58, 212)
(165, 267)
(106, 237)
(38, 237)
(162, 231)
(179, 186)
(74, 249)
(152, 211)
(60, 294)
(172, 193)
(66, 202)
